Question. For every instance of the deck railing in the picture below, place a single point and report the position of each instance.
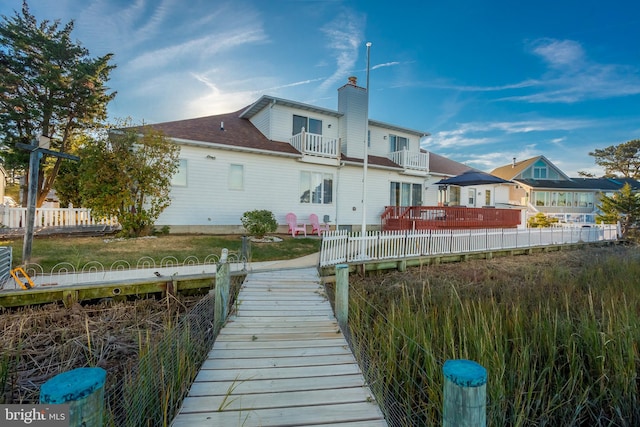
(314, 144)
(52, 217)
(447, 217)
(341, 246)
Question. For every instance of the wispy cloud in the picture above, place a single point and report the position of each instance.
(198, 48)
(483, 133)
(344, 39)
(387, 64)
(454, 139)
(573, 77)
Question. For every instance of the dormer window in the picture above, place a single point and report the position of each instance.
(310, 125)
(398, 143)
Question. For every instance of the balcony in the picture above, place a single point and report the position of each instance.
(312, 144)
(410, 160)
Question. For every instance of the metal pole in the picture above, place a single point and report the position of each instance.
(365, 164)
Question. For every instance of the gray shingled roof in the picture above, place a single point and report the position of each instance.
(593, 184)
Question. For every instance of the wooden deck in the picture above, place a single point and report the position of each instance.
(281, 360)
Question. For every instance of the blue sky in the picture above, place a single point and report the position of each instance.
(490, 80)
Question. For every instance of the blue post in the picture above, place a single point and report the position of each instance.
(83, 390)
(465, 394)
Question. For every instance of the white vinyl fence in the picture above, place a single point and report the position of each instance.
(52, 217)
(341, 246)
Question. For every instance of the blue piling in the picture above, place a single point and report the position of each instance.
(465, 394)
(83, 390)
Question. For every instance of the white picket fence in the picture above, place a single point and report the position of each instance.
(52, 217)
(343, 247)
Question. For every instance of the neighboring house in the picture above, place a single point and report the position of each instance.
(543, 187)
(286, 156)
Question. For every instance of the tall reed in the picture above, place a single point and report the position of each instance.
(560, 346)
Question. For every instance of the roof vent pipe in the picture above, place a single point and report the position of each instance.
(514, 163)
(221, 125)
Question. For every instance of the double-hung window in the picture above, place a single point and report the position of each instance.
(236, 177)
(179, 179)
(398, 143)
(316, 187)
(309, 124)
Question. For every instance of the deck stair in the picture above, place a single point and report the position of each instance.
(281, 360)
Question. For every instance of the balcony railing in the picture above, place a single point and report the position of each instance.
(410, 160)
(315, 145)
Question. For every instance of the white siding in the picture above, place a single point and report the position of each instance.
(262, 122)
(270, 182)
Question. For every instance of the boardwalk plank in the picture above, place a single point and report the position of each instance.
(246, 402)
(299, 416)
(275, 373)
(277, 362)
(302, 351)
(279, 340)
(221, 388)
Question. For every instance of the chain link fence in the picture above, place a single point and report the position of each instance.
(151, 391)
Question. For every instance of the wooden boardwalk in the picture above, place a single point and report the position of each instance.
(281, 360)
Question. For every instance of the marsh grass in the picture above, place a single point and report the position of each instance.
(558, 336)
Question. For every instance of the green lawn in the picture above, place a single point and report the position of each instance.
(50, 250)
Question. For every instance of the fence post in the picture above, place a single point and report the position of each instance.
(465, 394)
(222, 291)
(83, 390)
(342, 294)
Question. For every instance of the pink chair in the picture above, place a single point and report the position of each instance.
(316, 227)
(294, 227)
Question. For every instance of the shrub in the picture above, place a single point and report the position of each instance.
(259, 222)
(540, 220)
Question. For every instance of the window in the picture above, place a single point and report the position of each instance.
(236, 177)
(309, 124)
(316, 187)
(539, 173)
(398, 143)
(561, 198)
(487, 198)
(472, 197)
(405, 194)
(179, 179)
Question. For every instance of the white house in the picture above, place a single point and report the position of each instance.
(287, 156)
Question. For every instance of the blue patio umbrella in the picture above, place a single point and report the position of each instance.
(473, 177)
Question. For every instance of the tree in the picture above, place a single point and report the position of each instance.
(623, 206)
(48, 86)
(128, 174)
(622, 159)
